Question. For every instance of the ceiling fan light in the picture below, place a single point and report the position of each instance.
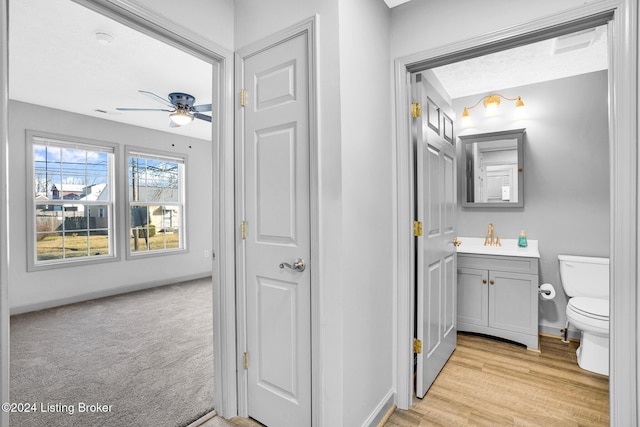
(181, 118)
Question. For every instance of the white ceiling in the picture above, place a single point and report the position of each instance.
(56, 61)
(585, 52)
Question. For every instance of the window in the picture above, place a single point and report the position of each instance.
(156, 203)
(71, 200)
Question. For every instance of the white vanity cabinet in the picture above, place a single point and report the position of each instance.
(498, 296)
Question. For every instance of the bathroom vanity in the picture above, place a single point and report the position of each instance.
(498, 290)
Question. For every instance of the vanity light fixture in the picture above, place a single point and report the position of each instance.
(491, 103)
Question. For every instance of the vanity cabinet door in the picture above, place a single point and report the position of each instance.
(513, 302)
(473, 306)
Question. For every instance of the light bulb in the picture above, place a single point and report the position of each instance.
(181, 118)
(491, 103)
(521, 112)
(465, 122)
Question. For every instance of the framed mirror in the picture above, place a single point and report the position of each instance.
(491, 173)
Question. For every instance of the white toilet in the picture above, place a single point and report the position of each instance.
(586, 281)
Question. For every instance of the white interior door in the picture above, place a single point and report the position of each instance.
(276, 208)
(436, 205)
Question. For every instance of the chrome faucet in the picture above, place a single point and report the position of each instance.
(488, 239)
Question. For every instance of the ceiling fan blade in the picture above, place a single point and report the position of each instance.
(201, 108)
(156, 98)
(202, 117)
(144, 109)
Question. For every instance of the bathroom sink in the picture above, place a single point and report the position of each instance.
(475, 245)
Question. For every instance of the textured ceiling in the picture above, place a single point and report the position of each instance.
(56, 61)
(529, 64)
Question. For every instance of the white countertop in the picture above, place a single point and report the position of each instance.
(475, 245)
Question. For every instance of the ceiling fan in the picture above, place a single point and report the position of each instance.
(182, 111)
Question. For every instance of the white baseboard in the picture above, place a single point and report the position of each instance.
(380, 412)
(103, 293)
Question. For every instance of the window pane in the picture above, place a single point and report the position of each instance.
(48, 219)
(74, 218)
(157, 181)
(49, 246)
(98, 218)
(74, 161)
(137, 179)
(153, 180)
(97, 163)
(172, 239)
(74, 228)
(140, 239)
(75, 244)
(98, 244)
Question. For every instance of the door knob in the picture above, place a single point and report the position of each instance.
(298, 265)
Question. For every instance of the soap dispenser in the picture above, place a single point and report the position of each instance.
(522, 239)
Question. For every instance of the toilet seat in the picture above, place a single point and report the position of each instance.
(590, 314)
(596, 308)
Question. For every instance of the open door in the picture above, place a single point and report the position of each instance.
(435, 205)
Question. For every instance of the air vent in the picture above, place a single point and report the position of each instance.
(575, 41)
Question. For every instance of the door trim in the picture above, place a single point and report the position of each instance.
(623, 89)
(4, 209)
(308, 27)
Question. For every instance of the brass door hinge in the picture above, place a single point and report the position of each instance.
(416, 110)
(244, 229)
(417, 346)
(243, 97)
(245, 360)
(417, 228)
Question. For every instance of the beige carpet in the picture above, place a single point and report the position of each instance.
(138, 359)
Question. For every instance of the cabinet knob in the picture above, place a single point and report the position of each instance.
(484, 281)
(491, 282)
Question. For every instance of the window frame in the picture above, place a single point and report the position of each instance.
(153, 154)
(34, 138)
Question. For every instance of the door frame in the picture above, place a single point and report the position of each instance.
(309, 27)
(623, 88)
(149, 22)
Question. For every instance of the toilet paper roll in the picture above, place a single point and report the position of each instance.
(547, 287)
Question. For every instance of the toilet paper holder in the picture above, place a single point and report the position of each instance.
(547, 291)
(544, 291)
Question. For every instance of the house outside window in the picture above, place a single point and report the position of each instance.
(72, 201)
(156, 202)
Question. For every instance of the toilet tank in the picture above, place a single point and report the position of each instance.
(584, 276)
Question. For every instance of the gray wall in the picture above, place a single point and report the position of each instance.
(48, 288)
(566, 169)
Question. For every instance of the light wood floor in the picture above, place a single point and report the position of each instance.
(494, 383)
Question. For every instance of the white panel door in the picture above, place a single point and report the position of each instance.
(276, 201)
(436, 208)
